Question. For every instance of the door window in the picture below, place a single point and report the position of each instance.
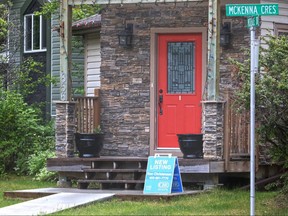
(181, 68)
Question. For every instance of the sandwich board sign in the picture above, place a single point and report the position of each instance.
(163, 175)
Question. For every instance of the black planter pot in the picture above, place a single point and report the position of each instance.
(191, 145)
(89, 144)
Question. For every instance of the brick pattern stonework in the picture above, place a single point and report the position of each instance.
(125, 73)
(213, 121)
(65, 128)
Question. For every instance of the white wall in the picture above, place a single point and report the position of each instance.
(268, 22)
(92, 63)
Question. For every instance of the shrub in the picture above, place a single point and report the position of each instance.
(271, 99)
(37, 166)
(21, 132)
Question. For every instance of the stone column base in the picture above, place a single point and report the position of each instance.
(65, 128)
(213, 122)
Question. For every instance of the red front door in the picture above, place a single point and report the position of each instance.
(179, 87)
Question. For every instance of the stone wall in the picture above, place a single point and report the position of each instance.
(65, 129)
(125, 73)
(212, 128)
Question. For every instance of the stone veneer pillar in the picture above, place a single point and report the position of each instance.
(65, 128)
(213, 122)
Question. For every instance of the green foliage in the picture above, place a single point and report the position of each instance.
(98, 130)
(79, 11)
(37, 166)
(22, 129)
(24, 82)
(4, 10)
(77, 69)
(84, 10)
(271, 97)
(49, 8)
(21, 132)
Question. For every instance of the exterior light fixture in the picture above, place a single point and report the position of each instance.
(125, 37)
(225, 34)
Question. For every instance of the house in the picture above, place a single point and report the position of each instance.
(172, 79)
(38, 37)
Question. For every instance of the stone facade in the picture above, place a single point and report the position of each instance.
(213, 121)
(65, 128)
(125, 73)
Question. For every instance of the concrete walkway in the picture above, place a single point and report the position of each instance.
(54, 203)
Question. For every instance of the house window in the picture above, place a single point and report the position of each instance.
(281, 29)
(34, 33)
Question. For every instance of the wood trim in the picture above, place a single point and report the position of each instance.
(79, 2)
(153, 79)
(85, 64)
(227, 138)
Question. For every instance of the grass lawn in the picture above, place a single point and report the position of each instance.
(13, 182)
(216, 202)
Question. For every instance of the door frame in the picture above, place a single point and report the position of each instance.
(154, 80)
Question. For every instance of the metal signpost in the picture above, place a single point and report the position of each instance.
(252, 11)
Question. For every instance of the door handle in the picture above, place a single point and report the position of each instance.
(160, 98)
(160, 102)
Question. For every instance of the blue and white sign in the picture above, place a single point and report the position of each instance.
(162, 175)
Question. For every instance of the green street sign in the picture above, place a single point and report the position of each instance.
(252, 9)
(253, 21)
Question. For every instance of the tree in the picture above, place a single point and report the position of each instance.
(4, 8)
(79, 11)
(22, 130)
(271, 98)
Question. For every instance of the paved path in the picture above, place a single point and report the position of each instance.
(53, 203)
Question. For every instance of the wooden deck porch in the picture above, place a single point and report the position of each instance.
(129, 172)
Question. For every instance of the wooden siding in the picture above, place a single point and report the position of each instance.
(92, 63)
(15, 33)
(77, 59)
(268, 22)
(55, 61)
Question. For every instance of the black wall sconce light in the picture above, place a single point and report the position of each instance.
(225, 34)
(125, 37)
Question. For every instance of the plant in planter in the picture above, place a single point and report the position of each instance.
(89, 144)
(191, 145)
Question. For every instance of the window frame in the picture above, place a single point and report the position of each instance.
(280, 27)
(41, 48)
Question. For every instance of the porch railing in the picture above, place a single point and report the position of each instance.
(236, 130)
(87, 113)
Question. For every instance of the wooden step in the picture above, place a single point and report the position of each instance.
(108, 184)
(115, 170)
(103, 174)
(118, 164)
(110, 181)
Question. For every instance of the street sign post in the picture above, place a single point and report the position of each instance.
(252, 11)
